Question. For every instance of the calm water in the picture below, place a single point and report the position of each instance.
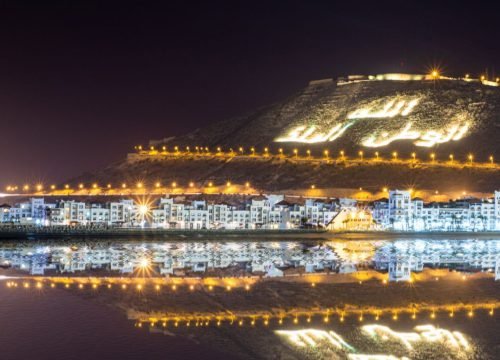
(96, 323)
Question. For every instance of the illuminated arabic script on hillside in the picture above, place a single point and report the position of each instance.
(382, 134)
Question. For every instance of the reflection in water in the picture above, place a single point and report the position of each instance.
(323, 340)
(218, 293)
(245, 258)
(239, 259)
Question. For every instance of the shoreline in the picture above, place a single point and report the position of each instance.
(305, 234)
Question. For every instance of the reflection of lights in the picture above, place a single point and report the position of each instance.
(311, 337)
(144, 263)
(427, 333)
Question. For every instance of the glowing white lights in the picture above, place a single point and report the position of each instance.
(375, 357)
(427, 138)
(311, 337)
(425, 333)
(391, 108)
(384, 133)
(310, 135)
(318, 339)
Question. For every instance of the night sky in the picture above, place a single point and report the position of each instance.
(82, 83)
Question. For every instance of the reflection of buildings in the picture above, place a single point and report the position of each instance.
(397, 257)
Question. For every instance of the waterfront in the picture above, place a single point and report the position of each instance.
(237, 257)
(69, 298)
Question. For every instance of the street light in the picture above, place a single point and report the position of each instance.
(280, 151)
(326, 153)
(252, 149)
(266, 151)
(360, 153)
(491, 159)
(433, 157)
(451, 158)
(395, 155)
(296, 152)
(471, 157)
(376, 155)
(414, 156)
(342, 153)
(308, 152)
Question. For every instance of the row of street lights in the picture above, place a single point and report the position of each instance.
(140, 186)
(326, 154)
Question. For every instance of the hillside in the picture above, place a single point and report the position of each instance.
(439, 117)
(434, 109)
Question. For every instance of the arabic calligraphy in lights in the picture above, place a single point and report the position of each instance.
(425, 333)
(310, 337)
(428, 138)
(391, 109)
(308, 134)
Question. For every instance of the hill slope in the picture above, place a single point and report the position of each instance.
(427, 117)
(372, 113)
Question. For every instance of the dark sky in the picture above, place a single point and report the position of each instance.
(81, 83)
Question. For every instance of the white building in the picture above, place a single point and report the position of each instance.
(402, 213)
